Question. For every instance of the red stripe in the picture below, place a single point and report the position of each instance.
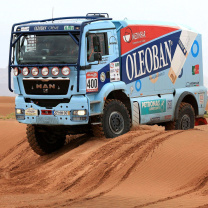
(46, 112)
(133, 36)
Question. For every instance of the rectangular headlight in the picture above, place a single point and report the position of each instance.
(79, 112)
(20, 111)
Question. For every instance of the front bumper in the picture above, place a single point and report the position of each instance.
(79, 102)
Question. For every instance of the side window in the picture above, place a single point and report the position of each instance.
(92, 49)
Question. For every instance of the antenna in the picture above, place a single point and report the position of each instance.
(52, 13)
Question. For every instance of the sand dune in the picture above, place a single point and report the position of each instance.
(147, 167)
(7, 105)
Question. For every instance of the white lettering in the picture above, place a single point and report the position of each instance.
(141, 61)
(168, 50)
(135, 66)
(162, 59)
(152, 59)
(155, 57)
(138, 35)
(127, 67)
(146, 60)
(150, 104)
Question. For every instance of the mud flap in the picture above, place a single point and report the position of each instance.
(135, 114)
(200, 121)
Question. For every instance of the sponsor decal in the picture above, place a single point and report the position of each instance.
(201, 98)
(25, 28)
(92, 81)
(169, 104)
(40, 27)
(112, 40)
(68, 27)
(195, 69)
(155, 119)
(195, 49)
(102, 77)
(134, 36)
(192, 84)
(184, 46)
(61, 113)
(31, 112)
(127, 37)
(131, 89)
(154, 80)
(111, 65)
(149, 59)
(31, 43)
(181, 74)
(114, 71)
(138, 35)
(104, 60)
(168, 117)
(153, 106)
(138, 85)
(53, 27)
(130, 36)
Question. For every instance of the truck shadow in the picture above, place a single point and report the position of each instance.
(72, 142)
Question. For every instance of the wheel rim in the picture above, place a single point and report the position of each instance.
(116, 122)
(185, 122)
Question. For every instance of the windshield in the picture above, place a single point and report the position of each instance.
(50, 49)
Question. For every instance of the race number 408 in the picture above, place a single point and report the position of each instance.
(92, 82)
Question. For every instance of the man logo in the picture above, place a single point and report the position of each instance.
(45, 86)
(128, 35)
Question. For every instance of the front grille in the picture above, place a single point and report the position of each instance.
(46, 86)
(48, 103)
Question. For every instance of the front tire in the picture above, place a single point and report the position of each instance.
(43, 140)
(116, 119)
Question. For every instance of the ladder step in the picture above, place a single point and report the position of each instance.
(96, 123)
(95, 101)
(95, 114)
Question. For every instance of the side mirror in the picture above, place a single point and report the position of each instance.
(96, 44)
(97, 57)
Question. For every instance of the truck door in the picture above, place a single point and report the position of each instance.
(101, 50)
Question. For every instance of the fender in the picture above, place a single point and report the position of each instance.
(180, 99)
(107, 89)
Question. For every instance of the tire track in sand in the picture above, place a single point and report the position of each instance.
(11, 150)
(133, 156)
(202, 183)
(106, 152)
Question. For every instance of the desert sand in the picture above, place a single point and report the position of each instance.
(147, 167)
(7, 105)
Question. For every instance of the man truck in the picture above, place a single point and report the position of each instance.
(94, 74)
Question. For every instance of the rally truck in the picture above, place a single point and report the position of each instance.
(93, 74)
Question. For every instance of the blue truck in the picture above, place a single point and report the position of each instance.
(93, 74)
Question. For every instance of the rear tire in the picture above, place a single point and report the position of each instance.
(186, 118)
(44, 141)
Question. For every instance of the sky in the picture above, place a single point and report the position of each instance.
(182, 12)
